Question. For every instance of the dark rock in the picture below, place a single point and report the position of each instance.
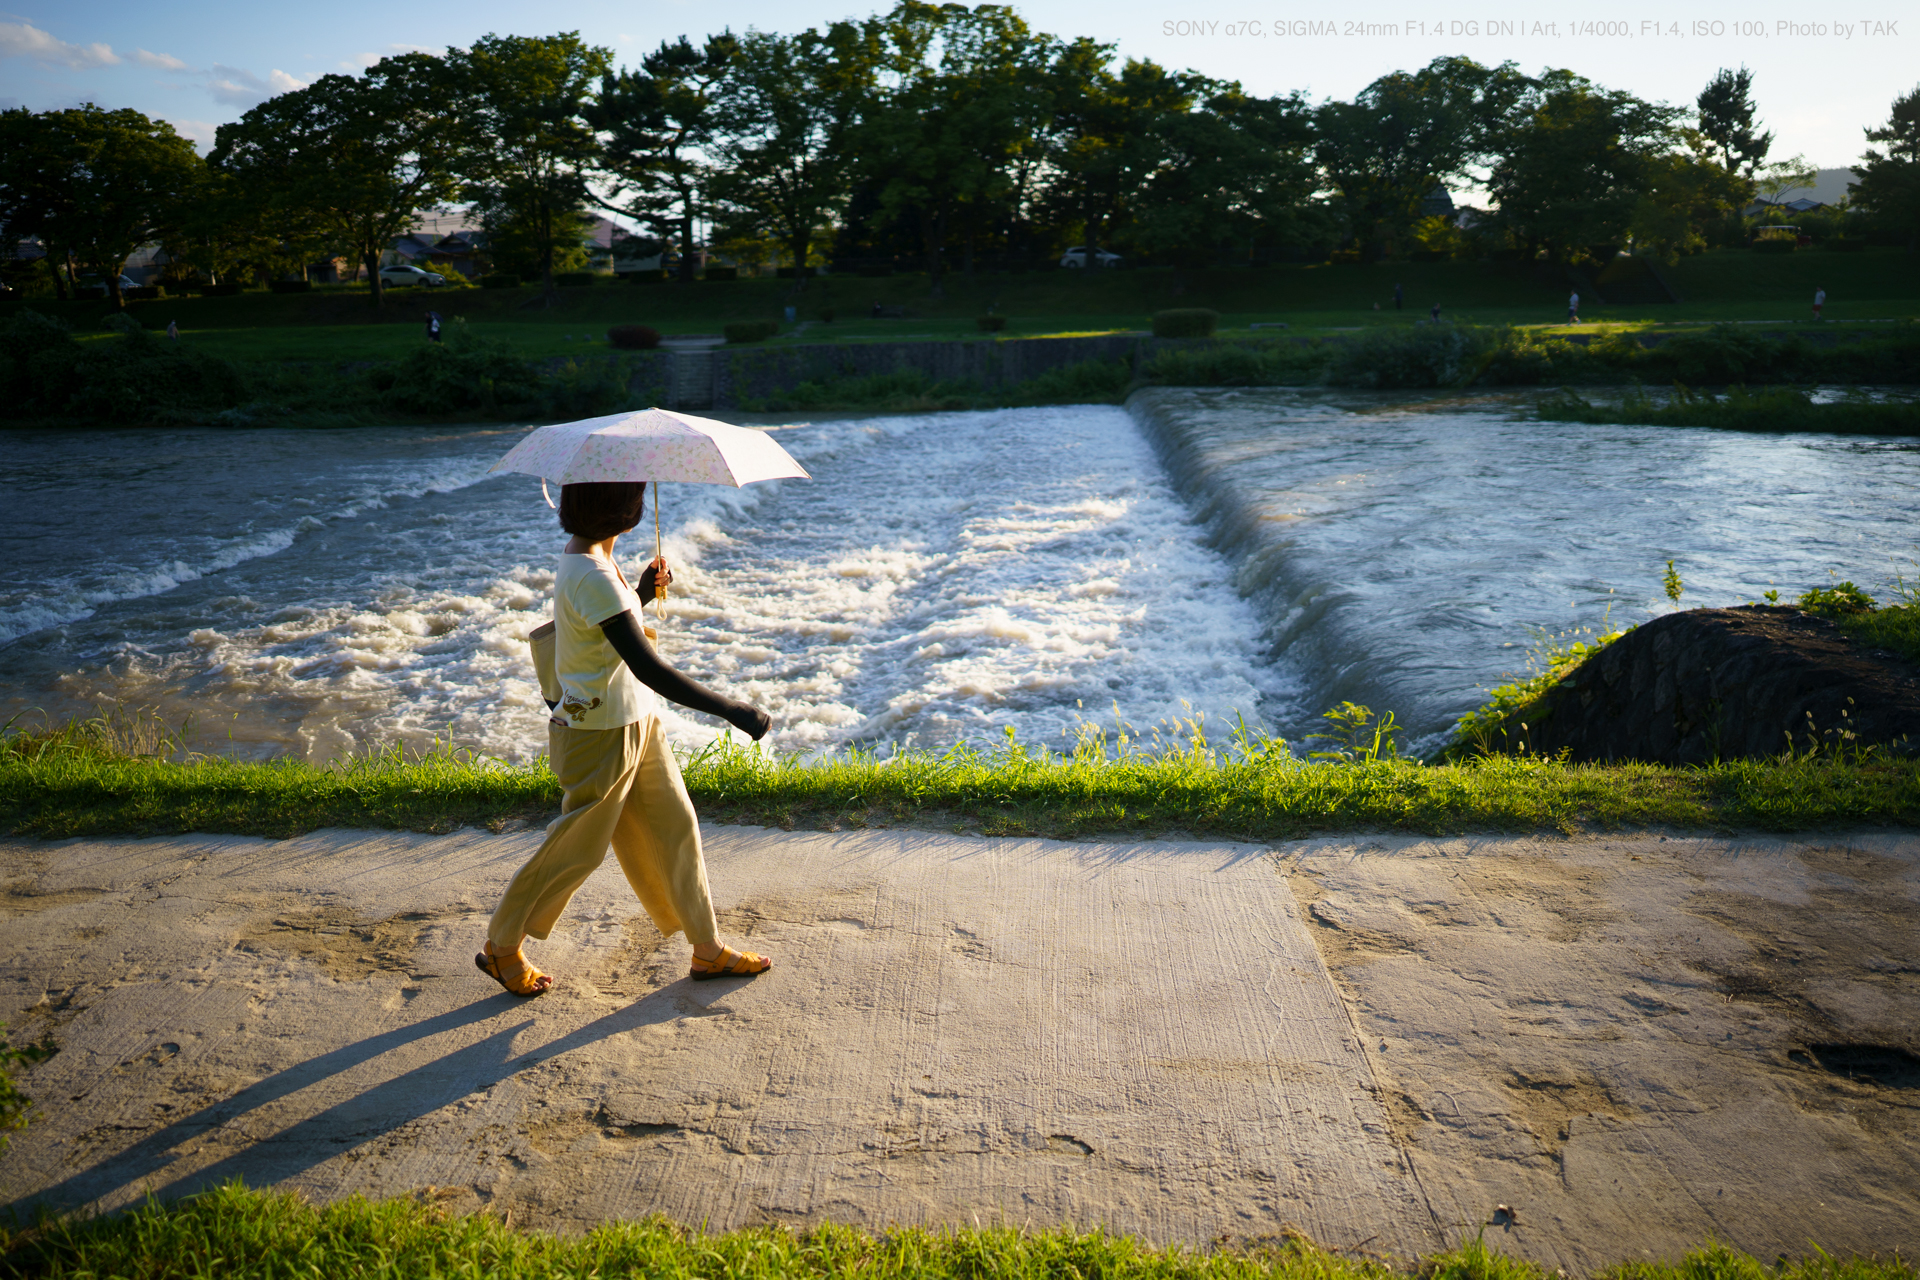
(1725, 683)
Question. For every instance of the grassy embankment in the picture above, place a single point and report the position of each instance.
(238, 1234)
(328, 358)
(338, 323)
(115, 776)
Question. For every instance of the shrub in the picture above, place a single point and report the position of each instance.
(1345, 257)
(472, 373)
(721, 273)
(751, 330)
(1185, 322)
(1236, 365)
(652, 275)
(1774, 246)
(1726, 353)
(874, 273)
(826, 315)
(1519, 359)
(573, 279)
(991, 324)
(633, 337)
(125, 380)
(1422, 356)
(226, 290)
(290, 286)
(1088, 382)
(796, 273)
(1841, 600)
(144, 293)
(500, 280)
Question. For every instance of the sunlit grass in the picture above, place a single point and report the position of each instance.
(72, 782)
(237, 1234)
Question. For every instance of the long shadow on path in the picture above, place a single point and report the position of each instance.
(363, 1117)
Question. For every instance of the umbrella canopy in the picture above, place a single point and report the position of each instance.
(653, 444)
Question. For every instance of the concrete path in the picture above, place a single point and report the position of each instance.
(956, 1030)
(1593, 1047)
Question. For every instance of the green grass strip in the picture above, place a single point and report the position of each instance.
(233, 1233)
(70, 790)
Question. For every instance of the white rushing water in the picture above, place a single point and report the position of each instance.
(942, 578)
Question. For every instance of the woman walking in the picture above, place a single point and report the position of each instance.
(621, 784)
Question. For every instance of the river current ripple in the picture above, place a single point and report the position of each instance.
(943, 578)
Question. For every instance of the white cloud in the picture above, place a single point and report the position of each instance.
(23, 40)
(159, 61)
(361, 61)
(200, 131)
(235, 87)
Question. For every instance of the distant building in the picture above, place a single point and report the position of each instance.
(1437, 204)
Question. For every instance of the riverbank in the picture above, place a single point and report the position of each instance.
(56, 789)
(137, 378)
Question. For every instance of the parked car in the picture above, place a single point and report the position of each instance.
(404, 275)
(1077, 257)
(89, 282)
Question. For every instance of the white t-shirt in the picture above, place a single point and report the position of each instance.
(597, 691)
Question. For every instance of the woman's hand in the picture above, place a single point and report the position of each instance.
(750, 720)
(654, 581)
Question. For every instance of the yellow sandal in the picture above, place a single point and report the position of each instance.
(532, 982)
(744, 964)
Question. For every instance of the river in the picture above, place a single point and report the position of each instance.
(942, 578)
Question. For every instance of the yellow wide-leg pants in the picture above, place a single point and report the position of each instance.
(621, 788)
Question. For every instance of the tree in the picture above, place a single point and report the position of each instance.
(657, 123)
(1098, 149)
(1407, 133)
(528, 99)
(1889, 185)
(1236, 170)
(1727, 122)
(94, 184)
(1682, 193)
(1570, 176)
(32, 201)
(962, 98)
(352, 160)
(227, 227)
(784, 126)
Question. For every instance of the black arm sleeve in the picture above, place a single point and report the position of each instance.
(624, 634)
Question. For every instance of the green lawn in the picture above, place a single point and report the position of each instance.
(338, 323)
(235, 1233)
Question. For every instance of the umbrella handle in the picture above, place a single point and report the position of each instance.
(659, 587)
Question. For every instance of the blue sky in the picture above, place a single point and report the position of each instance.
(1819, 79)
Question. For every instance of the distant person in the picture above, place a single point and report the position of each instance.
(1398, 296)
(173, 326)
(1819, 301)
(433, 326)
(1573, 307)
(876, 311)
(1436, 313)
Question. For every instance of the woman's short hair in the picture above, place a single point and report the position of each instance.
(597, 511)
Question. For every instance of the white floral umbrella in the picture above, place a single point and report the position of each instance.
(652, 444)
